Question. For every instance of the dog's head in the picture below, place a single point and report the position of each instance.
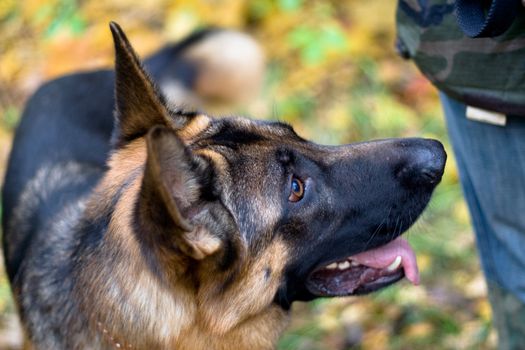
(250, 216)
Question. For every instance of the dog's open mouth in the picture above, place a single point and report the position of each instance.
(365, 272)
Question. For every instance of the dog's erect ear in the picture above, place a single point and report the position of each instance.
(139, 106)
(172, 186)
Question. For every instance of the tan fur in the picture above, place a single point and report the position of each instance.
(259, 332)
(242, 316)
(130, 158)
(202, 242)
(251, 293)
(194, 128)
(218, 159)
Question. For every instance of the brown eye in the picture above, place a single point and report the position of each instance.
(296, 190)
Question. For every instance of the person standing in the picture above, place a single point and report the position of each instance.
(474, 53)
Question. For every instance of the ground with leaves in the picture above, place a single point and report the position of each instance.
(333, 74)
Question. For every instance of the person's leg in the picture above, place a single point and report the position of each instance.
(491, 164)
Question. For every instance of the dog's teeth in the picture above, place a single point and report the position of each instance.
(395, 264)
(332, 266)
(354, 263)
(343, 265)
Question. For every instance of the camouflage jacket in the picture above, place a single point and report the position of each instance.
(488, 73)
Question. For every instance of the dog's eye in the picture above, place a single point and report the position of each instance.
(296, 190)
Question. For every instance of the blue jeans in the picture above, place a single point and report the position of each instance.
(491, 164)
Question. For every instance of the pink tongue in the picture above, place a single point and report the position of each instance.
(382, 257)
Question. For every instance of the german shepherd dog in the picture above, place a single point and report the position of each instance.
(196, 233)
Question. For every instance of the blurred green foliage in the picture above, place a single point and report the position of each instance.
(333, 74)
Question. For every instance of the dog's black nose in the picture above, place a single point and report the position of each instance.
(424, 162)
(430, 159)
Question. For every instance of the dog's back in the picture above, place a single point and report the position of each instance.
(58, 154)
